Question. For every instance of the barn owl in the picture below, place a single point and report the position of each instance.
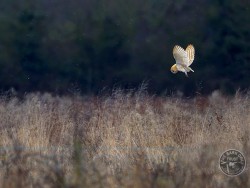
(183, 58)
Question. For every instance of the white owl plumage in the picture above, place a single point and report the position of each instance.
(183, 58)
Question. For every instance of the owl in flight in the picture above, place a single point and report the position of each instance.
(183, 58)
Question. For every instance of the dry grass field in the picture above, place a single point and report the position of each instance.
(126, 139)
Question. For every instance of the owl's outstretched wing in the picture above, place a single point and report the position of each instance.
(190, 53)
(180, 55)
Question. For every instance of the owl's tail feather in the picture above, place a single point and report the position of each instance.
(189, 69)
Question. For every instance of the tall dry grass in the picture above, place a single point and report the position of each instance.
(126, 139)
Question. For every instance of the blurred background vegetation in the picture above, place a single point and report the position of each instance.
(87, 45)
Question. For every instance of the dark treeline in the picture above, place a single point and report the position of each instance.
(91, 44)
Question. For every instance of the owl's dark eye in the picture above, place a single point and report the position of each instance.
(173, 71)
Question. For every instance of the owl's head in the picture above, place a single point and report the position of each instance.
(174, 69)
